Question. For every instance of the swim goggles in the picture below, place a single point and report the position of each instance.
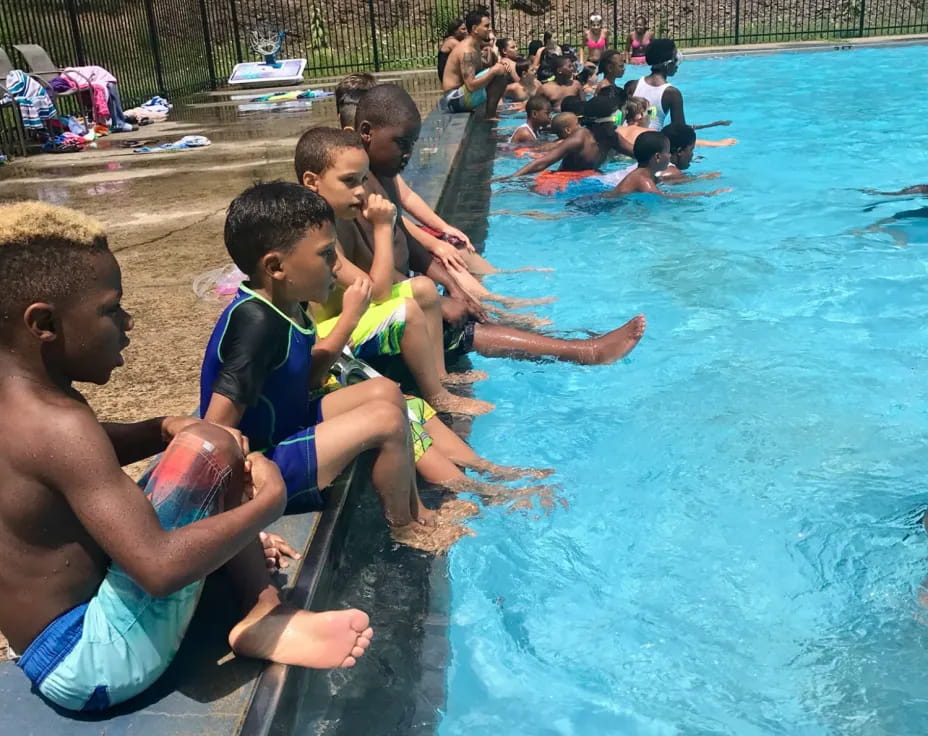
(596, 18)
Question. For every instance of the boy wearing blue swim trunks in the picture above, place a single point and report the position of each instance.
(100, 578)
(261, 362)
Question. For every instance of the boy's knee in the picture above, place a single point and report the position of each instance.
(389, 419)
(219, 440)
(383, 389)
(414, 313)
(425, 292)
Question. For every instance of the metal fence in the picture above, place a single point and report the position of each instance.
(176, 47)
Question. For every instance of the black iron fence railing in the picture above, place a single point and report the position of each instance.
(176, 47)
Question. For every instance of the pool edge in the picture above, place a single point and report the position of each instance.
(761, 49)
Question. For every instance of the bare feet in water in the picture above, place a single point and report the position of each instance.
(513, 303)
(449, 403)
(463, 379)
(616, 344)
(519, 320)
(509, 472)
(287, 635)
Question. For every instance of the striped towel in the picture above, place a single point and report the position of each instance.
(35, 105)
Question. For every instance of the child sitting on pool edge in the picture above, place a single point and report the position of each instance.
(389, 123)
(86, 549)
(262, 361)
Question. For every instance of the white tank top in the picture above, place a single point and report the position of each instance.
(528, 128)
(654, 96)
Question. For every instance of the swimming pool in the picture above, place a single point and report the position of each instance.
(741, 552)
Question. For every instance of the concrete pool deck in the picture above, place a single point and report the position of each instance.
(164, 213)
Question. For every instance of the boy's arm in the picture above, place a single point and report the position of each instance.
(381, 214)
(543, 162)
(111, 507)
(710, 125)
(328, 349)
(673, 103)
(419, 208)
(444, 252)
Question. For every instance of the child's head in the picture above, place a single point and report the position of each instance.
(616, 94)
(538, 111)
(348, 93)
(652, 151)
(565, 124)
(522, 67)
(389, 123)
(564, 70)
(630, 86)
(682, 143)
(662, 56)
(283, 236)
(636, 111)
(572, 103)
(334, 164)
(599, 119)
(456, 29)
(612, 64)
(60, 302)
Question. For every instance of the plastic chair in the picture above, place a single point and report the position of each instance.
(6, 100)
(44, 70)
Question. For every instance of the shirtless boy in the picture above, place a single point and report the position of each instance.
(389, 124)
(467, 83)
(563, 85)
(537, 119)
(652, 152)
(84, 549)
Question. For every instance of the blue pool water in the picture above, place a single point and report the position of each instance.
(741, 553)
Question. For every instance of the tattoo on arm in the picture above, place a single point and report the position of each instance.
(469, 66)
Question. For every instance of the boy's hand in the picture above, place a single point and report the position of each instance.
(460, 235)
(378, 210)
(275, 550)
(449, 257)
(264, 481)
(357, 298)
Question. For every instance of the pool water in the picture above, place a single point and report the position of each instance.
(741, 553)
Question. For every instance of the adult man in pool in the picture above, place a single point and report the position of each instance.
(467, 82)
(389, 124)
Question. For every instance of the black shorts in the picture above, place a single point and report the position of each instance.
(459, 340)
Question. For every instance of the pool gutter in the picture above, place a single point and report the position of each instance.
(761, 49)
(428, 173)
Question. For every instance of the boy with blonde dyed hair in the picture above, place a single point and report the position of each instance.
(100, 577)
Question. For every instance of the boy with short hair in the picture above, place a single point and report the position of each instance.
(347, 94)
(333, 164)
(389, 123)
(652, 152)
(261, 361)
(99, 582)
(537, 118)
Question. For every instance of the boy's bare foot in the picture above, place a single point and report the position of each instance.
(463, 379)
(617, 344)
(426, 516)
(435, 539)
(452, 404)
(510, 472)
(455, 510)
(288, 635)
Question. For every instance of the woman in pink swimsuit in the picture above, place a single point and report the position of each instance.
(637, 44)
(594, 42)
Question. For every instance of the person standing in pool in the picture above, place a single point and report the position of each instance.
(466, 82)
(389, 124)
(652, 152)
(563, 85)
(612, 67)
(636, 45)
(455, 34)
(663, 98)
(544, 56)
(595, 39)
